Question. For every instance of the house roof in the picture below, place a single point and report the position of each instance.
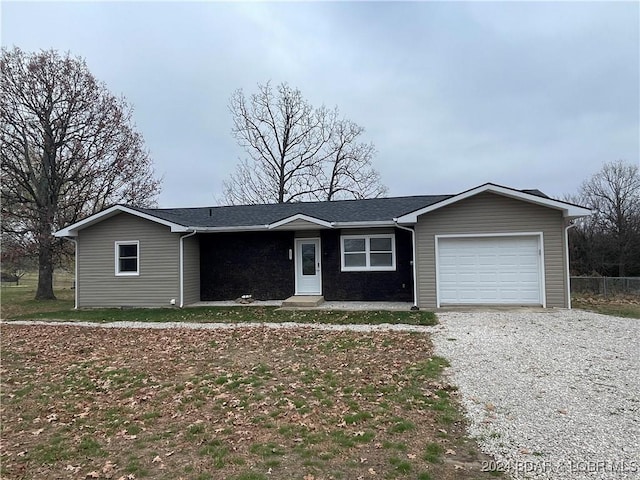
(341, 211)
(335, 214)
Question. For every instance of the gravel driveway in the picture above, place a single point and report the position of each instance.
(550, 394)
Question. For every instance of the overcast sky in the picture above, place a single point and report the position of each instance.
(453, 95)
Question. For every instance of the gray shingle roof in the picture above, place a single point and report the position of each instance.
(368, 210)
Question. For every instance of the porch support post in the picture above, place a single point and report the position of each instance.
(182, 266)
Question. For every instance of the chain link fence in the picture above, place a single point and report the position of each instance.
(606, 286)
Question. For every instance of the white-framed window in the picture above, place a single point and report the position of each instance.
(128, 258)
(368, 252)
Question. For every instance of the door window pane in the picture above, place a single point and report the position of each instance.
(308, 259)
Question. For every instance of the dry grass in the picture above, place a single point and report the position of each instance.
(253, 403)
(627, 306)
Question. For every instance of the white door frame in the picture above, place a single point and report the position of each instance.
(541, 257)
(298, 264)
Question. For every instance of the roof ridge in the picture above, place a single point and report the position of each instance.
(291, 204)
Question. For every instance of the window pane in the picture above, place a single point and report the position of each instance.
(380, 244)
(354, 245)
(355, 260)
(308, 259)
(381, 260)
(128, 264)
(128, 250)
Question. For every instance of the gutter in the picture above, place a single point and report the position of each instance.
(182, 265)
(413, 263)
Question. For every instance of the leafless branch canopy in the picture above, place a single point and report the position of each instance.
(296, 152)
(69, 148)
(608, 242)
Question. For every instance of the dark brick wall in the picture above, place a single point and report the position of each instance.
(256, 263)
(366, 286)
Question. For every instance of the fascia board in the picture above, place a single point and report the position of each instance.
(568, 210)
(239, 228)
(72, 230)
(373, 224)
(300, 216)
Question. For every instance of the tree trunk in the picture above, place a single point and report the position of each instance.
(45, 264)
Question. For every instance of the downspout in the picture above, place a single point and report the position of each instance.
(566, 259)
(182, 266)
(413, 263)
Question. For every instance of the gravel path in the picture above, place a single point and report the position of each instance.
(221, 325)
(551, 395)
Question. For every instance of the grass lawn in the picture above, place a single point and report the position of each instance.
(619, 306)
(18, 304)
(252, 403)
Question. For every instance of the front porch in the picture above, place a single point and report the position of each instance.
(327, 305)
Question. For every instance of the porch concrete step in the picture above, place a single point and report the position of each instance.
(302, 301)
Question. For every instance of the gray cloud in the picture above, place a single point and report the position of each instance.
(452, 94)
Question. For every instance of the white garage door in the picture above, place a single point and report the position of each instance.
(489, 270)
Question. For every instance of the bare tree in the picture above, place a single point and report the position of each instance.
(296, 152)
(610, 239)
(69, 149)
(348, 172)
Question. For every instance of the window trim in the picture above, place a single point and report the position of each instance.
(118, 273)
(367, 245)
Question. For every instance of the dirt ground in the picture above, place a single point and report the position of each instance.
(247, 403)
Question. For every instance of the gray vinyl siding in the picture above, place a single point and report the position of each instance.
(191, 277)
(491, 213)
(158, 281)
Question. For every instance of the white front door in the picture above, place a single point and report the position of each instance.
(308, 271)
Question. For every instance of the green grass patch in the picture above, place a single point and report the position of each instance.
(54, 450)
(241, 314)
(432, 453)
(266, 450)
(399, 465)
(400, 426)
(18, 304)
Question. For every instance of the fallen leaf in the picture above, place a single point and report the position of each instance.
(450, 452)
(156, 459)
(372, 471)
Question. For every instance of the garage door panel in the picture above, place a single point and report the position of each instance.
(489, 270)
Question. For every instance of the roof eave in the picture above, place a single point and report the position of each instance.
(72, 230)
(568, 210)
